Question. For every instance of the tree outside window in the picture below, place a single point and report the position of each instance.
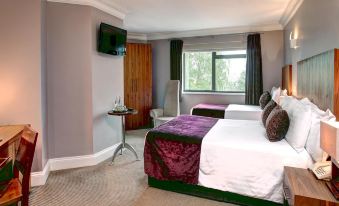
(222, 71)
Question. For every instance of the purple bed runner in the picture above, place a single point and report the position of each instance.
(209, 110)
(172, 150)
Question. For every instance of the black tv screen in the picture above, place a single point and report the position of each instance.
(112, 40)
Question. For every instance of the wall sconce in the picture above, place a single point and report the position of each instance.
(294, 41)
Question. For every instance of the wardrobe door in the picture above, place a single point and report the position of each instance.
(138, 84)
(144, 85)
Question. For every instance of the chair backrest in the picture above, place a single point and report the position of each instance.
(24, 157)
(171, 103)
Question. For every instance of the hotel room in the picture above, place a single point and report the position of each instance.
(169, 103)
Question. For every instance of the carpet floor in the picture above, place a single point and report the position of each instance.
(122, 184)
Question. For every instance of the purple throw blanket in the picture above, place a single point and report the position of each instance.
(172, 150)
(209, 110)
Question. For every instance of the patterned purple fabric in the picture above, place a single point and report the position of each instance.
(172, 150)
(210, 110)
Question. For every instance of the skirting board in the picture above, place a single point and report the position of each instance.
(40, 178)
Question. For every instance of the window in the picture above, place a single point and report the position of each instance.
(221, 71)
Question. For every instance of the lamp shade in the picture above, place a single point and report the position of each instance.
(329, 138)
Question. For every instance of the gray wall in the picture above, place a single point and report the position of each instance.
(44, 82)
(316, 24)
(107, 83)
(82, 83)
(21, 69)
(273, 59)
(69, 90)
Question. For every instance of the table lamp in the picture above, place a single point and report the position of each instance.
(329, 142)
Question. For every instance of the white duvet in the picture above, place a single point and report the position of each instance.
(237, 157)
(245, 112)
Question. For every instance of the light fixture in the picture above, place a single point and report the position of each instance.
(294, 43)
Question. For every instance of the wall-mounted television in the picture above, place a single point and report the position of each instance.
(112, 40)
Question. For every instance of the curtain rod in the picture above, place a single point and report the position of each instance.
(233, 34)
(224, 42)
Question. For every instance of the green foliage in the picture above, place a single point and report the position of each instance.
(198, 72)
(229, 73)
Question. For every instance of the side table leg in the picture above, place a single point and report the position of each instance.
(129, 147)
(116, 152)
(123, 132)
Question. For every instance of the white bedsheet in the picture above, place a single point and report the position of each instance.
(237, 157)
(241, 111)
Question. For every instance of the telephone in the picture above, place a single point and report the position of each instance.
(322, 170)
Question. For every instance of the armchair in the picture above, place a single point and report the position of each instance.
(171, 105)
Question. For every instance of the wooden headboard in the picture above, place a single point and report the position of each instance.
(318, 79)
(286, 80)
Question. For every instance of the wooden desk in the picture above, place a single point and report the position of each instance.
(9, 139)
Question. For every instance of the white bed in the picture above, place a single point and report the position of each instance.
(244, 112)
(251, 165)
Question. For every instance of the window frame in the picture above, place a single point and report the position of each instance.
(214, 57)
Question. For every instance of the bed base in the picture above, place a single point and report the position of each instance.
(212, 194)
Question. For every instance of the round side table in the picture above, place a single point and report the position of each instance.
(123, 143)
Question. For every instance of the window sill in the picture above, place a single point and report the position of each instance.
(214, 93)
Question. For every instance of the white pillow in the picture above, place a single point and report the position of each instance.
(313, 139)
(300, 123)
(273, 90)
(314, 107)
(285, 102)
(275, 93)
(283, 92)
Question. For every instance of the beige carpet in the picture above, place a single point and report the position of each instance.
(156, 197)
(123, 184)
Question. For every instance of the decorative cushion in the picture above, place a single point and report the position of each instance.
(267, 110)
(265, 98)
(277, 124)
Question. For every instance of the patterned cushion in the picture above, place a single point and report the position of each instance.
(277, 124)
(265, 98)
(267, 110)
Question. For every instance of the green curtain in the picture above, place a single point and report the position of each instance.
(254, 83)
(176, 59)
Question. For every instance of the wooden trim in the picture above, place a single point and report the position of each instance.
(286, 80)
(336, 83)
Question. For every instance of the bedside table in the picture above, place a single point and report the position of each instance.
(302, 188)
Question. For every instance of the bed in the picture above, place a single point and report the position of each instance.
(257, 170)
(241, 111)
(183, 154)
(244, 112)
(209, 110)
(232, 111)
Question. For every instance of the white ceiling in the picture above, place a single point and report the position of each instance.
(153, 16)
(155, 19)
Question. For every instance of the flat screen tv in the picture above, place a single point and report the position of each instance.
(112, 40)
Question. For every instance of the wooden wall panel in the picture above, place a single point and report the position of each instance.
(138, 84)
(336, 83)
(318, 80)
(287, 79)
